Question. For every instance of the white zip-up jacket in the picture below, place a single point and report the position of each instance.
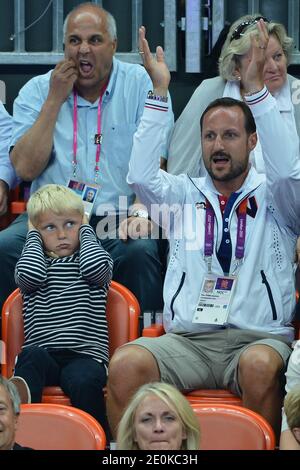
(264, 297)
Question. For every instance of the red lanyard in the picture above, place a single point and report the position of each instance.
(98, 136)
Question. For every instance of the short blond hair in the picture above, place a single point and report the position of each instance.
(233, 49)
(175, 400)
(54, 197)
(292, 407)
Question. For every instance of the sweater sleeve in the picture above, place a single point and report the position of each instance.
(31, 271)
(95, 263)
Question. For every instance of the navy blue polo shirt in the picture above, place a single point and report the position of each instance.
(224, 254)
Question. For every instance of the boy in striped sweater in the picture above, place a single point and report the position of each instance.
(64, 275)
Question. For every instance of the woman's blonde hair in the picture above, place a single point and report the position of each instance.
(175, 400)
(238, 43)
(292, 408)
(53, 197)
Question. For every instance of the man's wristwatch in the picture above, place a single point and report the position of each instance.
(140, 213)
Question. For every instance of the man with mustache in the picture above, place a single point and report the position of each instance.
(77, 123)
(243, 238)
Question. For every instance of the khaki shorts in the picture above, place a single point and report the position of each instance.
(207, 360)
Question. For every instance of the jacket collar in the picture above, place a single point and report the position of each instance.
(252, 181)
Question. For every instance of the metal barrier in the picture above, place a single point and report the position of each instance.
(205, 20)
(19, 55)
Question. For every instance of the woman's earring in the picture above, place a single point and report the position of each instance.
(238, 78)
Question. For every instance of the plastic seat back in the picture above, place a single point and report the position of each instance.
(230, 427)
(58, 427)
(12, 331)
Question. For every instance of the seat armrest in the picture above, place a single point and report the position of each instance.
(17, 207)
(156, 329)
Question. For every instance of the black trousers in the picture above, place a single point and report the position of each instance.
(80, 377)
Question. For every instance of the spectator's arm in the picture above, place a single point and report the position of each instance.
(31, 153)
(7, 173)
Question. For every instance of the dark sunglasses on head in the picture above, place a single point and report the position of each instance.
(239, 30)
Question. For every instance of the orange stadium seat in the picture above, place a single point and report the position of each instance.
(230, 427)
(16, 206)
(58, 427)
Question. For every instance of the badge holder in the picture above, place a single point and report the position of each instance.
(215, 299)
(88, 193)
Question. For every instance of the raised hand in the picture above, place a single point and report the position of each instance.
(253, 75)
(155, 66)
(62, 80)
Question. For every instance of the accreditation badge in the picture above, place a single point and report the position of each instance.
(215, 299)
(88, 193)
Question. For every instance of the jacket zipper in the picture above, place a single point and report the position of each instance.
(265, 281)
(177, 293)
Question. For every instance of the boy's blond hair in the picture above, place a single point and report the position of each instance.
(292, 408)
(53, 197)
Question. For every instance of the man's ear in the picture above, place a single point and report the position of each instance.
(252, 140)
(296, 432)
(114, 45)
(16, 422)
(237, 72)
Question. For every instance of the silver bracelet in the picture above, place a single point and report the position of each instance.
(152, 96)
(140, 213)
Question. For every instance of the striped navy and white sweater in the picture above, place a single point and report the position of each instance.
(65, 298)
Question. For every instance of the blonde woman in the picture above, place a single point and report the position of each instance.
(292, 411)
(185, 152)
(158, 417)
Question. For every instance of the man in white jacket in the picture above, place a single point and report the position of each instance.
(233, 227)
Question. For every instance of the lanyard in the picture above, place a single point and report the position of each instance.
(209, 233)
(98, 136)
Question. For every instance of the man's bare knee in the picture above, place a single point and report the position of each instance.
(259, 365)
(135, 364)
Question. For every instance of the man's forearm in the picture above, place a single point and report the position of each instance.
(31, 153)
